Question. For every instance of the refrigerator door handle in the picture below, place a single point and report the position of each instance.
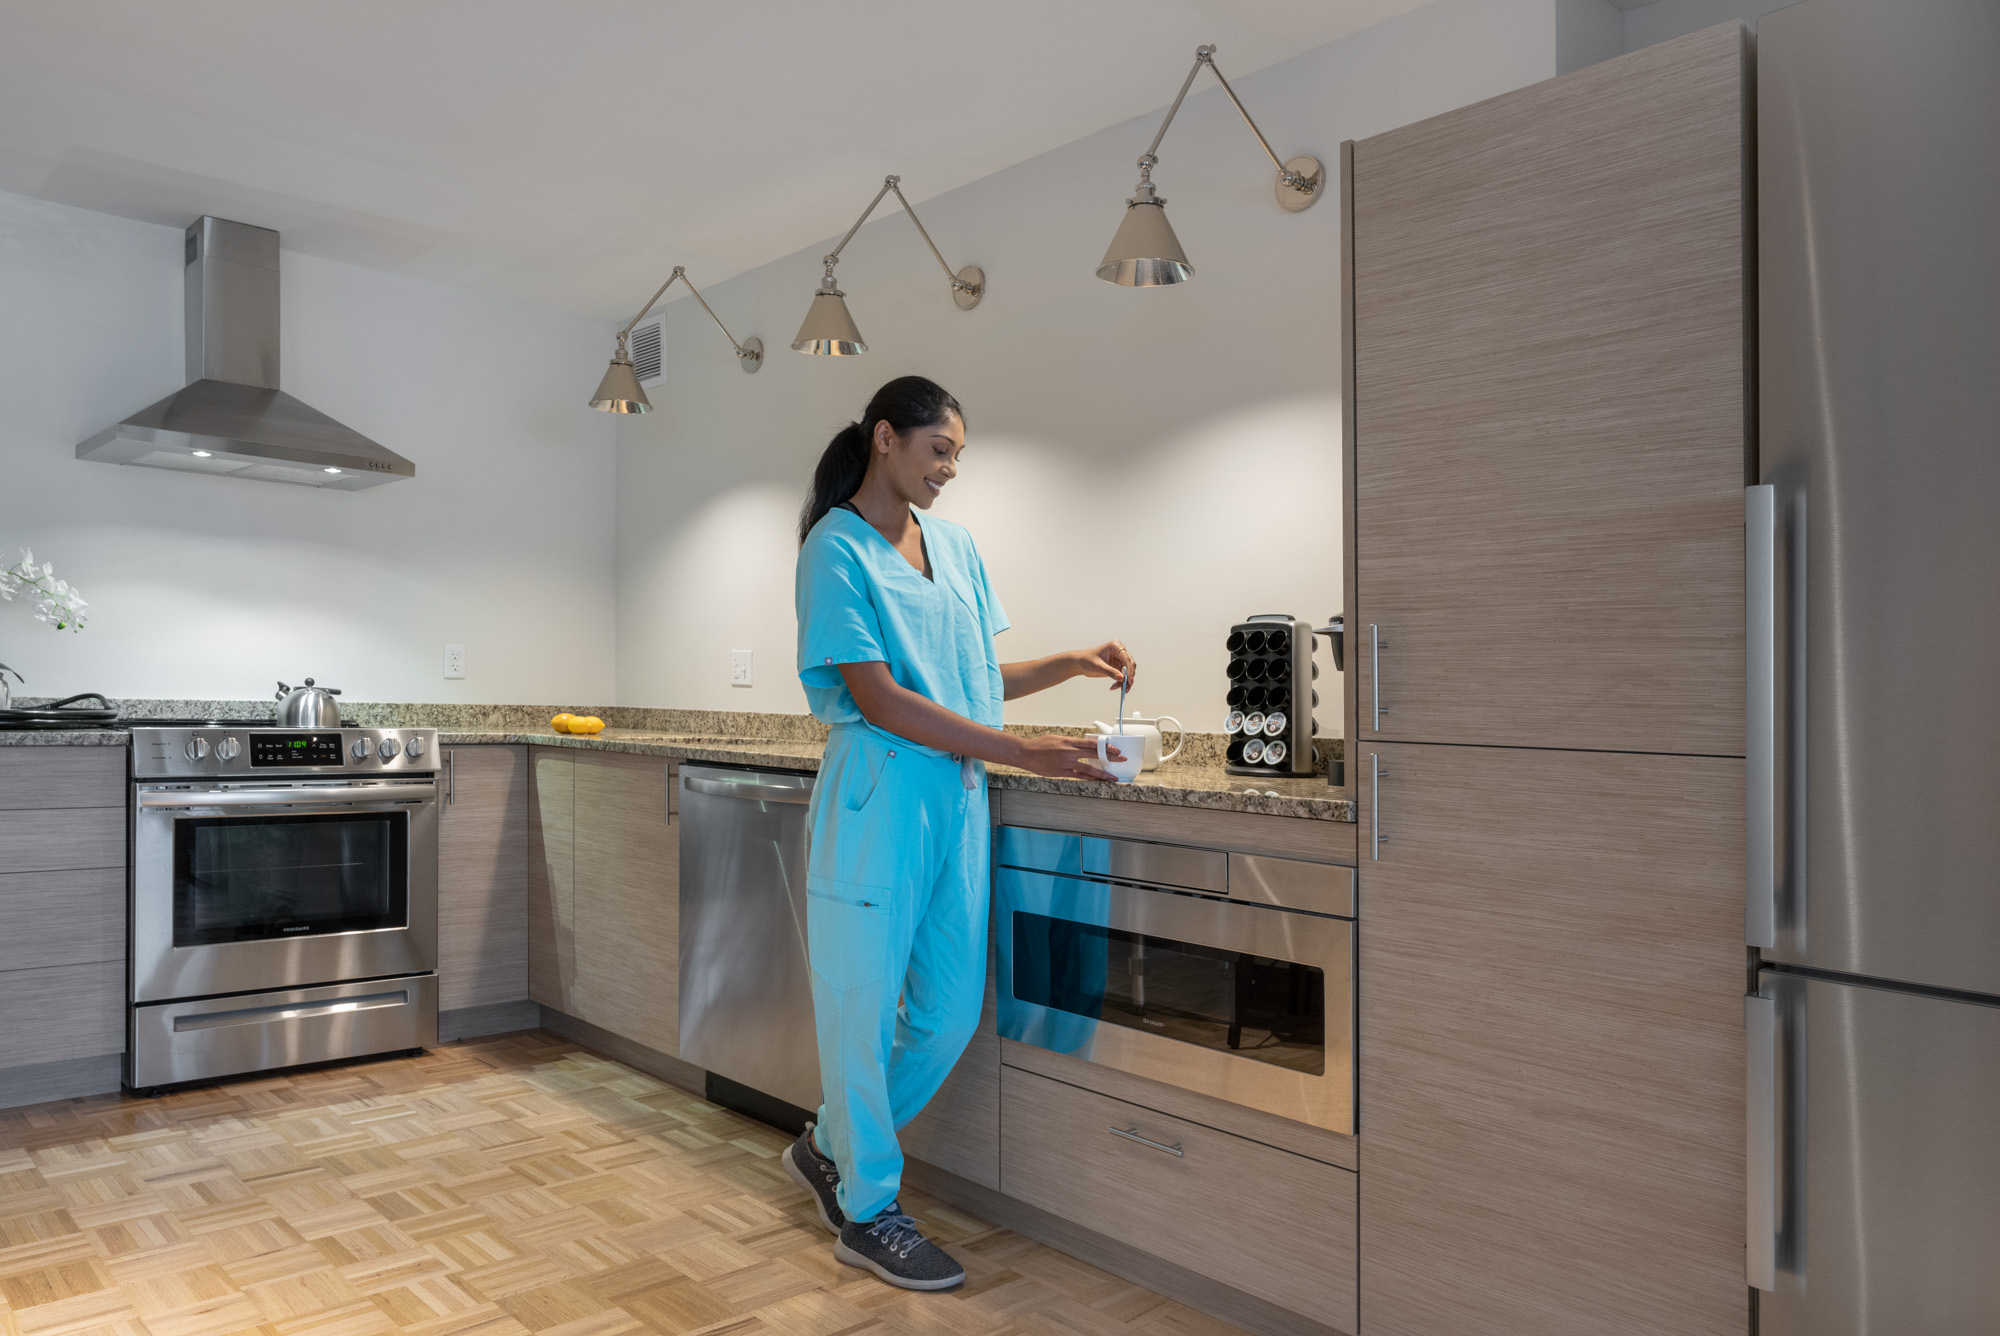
(1760, 1030)
(1760, 661)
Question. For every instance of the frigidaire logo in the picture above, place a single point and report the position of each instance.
(307, 927)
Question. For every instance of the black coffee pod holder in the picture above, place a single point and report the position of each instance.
(1270, 672)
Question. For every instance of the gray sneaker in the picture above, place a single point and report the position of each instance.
(818, 1175)
(891, 1246)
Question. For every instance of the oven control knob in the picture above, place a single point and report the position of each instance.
(228, 749)
(361, 749)
(197, 749)
(414, 749)
(387, 751)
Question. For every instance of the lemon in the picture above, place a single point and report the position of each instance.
(562, 722)
(591, 724)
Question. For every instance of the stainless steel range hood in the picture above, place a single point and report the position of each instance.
(232, 418)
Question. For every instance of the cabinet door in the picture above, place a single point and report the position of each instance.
(1549, 417)
(552, 878)
(628, 898)
(483, 877)
(1552, 1058)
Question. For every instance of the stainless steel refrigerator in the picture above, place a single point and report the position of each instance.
(1874, 670)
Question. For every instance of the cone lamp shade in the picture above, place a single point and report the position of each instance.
(619, 391)
(1145, 253)
(828, 329)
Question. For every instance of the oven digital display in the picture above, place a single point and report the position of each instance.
(296, 749)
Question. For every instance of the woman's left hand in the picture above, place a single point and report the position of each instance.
(1112, 660)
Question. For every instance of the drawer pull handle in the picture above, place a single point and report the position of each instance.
(1132, 1134)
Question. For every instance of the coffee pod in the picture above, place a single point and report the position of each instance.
(1274, 752)
(1234, 723)
(1253, 724)
(1253, 750)
(1274, 724)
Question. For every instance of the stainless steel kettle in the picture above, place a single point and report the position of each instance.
(308, 706)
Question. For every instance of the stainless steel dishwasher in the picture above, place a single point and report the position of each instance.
(746, 997)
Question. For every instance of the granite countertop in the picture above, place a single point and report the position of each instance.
(1174, 784)
(1198, 781)
(64, 737)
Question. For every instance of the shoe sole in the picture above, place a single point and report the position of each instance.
(846, 1254)
(797, 1175)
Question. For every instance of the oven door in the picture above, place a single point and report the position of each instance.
(258, 886)
(1245, 1002)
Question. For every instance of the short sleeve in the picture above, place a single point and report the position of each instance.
(837, 617)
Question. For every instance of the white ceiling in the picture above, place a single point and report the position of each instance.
(571, 153)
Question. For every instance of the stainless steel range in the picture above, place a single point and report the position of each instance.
(284, 897)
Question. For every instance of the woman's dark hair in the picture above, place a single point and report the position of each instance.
(905, 403)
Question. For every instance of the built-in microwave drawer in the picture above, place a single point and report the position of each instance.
(1239, 1001)
(1263, 1220)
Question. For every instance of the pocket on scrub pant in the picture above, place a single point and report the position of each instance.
(870, 841)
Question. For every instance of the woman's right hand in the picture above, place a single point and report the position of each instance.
(1060, 757)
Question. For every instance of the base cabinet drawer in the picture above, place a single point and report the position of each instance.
(1263, 1220)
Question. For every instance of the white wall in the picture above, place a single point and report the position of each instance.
(214, 587)
(1152, 465)
(1663, 20)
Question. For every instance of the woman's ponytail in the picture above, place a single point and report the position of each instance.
(841, 469)
(905, 403)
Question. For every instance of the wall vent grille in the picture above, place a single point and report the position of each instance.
(645, 346)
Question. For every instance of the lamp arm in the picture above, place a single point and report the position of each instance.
(1202, 56)
(888, 184)
(1205, 55)
(679, 273)
(895, 184)
(1275, 160)
(741, 351)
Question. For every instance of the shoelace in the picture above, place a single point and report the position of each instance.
(896, 1230)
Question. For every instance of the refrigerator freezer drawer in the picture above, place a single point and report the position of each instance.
(1884, 1184)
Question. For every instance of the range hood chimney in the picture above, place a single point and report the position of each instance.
(232, 418)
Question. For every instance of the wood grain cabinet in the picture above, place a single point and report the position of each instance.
(1549, 407)
(1548, 442)
(62, 920)
(483, 877)
(552, 977)
(1256, 1218)
(1552, 1050)
(627, 880)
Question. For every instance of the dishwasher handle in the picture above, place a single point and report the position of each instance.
(754, 792)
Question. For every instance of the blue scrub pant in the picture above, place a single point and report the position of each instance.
(897, 887)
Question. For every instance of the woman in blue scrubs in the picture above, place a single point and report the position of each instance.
(896, 622)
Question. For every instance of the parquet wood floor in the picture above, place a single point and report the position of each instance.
(494, 1187)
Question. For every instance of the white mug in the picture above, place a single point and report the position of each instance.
(1130, 746)
(1149, 729)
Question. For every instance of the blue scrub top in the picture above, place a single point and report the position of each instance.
(860, 601)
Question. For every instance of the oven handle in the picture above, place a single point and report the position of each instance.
(326, 797)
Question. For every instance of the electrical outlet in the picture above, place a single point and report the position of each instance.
(454, 661)
(739, 667)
